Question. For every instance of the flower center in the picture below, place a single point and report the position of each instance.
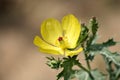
(62, 43)
(60, 39)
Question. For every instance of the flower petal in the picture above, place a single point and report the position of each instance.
(72, 53)
(51, 30)
(47, 48)
(71, 29)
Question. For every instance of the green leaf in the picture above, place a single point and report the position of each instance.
(109, 43)
(114, 57)
(91, 55)
(60, 75)
(68, 73)
(117, 73)
(82, 75)
(91, 41)
(84, 34)
(99, 47)
(93, 49)
(54, 63)
(112, 63)
(93, 25)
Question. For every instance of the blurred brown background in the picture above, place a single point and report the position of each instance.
(20, 22)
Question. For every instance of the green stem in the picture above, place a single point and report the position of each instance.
(109, 69)
(88, 65)
(87, 61)
(83, 68)
(88, 71)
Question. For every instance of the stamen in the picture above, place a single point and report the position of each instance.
(60, 39)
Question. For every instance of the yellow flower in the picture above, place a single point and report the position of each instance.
(59, 38)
